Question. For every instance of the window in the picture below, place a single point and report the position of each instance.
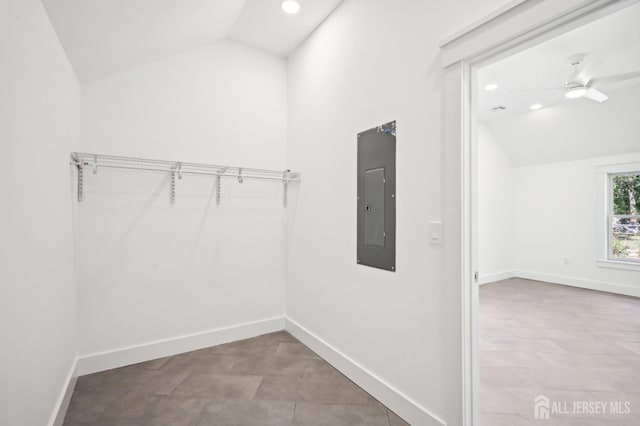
(624, 217)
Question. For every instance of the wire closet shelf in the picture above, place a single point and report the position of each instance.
(176, 170)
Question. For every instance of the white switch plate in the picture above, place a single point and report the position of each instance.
(435, 232)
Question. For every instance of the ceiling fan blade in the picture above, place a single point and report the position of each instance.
(615, 78)
(585, 75)
(595, 95)
(544, 89)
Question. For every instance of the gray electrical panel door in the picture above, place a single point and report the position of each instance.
(376, 197)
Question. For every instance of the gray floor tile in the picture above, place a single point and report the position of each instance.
(307, 414)
(320, 367)
(278, 336)
(594, 347)
(395, 420)
(156, 363)
(247, 413)
(200, 362)
(631, 346)
(216, 386)
(112, 421)
(280, 388)
(525, 345)
(493, 419)
(89, 406)
(91, 381)
(579, 379)
(132, 407)
(254, 382)
(508, 377)
(176, 411)
(576, 345)
(143, 381)
(513, 359)
(333, 390)
(295, 350)
(270, 366)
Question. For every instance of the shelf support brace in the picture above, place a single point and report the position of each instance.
(218, 187)
(80, 182)
(240, 178)
(219, 175)
(285, 185)
(172, 187)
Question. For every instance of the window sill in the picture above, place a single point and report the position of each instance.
(619, 264)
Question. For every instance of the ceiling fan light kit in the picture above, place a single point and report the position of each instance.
(290, 6)
(575, 92)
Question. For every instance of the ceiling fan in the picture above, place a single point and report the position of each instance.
(580, 85)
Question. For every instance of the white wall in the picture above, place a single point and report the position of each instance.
(369, 63)
(39, 115)
(150, 271)
(496, 182)
(221, 104)
(557, 217)
(544, 222)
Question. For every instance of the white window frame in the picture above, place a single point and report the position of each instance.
(611, 215)
(606, 174)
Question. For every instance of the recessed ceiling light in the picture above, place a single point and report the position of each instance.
(575, 92)
(535, 107)
(490, 87)
(290, 6)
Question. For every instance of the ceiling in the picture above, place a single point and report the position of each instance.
(103, 37)
(567, 129)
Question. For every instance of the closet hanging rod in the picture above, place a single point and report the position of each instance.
(97, 161)
(177, 169)
(227, 173)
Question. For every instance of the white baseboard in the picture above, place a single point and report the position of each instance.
(496, 276)
(395, 400)
(62, 404)
(580, 282)
(88, 364)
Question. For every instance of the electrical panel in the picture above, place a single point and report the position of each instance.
(377, 197)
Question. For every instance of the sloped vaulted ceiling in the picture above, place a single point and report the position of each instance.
(102, 37)
(563, 129)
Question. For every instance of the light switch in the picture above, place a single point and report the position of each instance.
(435, 232)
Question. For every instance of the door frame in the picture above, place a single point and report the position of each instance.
(517, 26)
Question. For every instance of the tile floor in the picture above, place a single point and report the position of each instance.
(568, 344)
(269, 380)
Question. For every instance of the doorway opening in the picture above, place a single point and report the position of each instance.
(554, 225)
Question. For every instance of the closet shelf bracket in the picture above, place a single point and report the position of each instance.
(172, 186)
(285, 189)
(80, 182)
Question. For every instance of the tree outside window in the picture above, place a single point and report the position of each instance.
(624, 217)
